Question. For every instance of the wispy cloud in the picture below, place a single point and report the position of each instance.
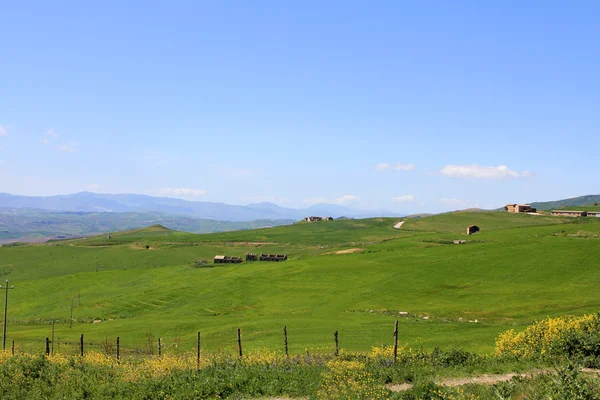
(347, 199)
(180, 192)
(407, 198)
(71, 147)
(3, 131)
(475, 171)
(397, 167)
(382, 166)
(404, 167)
(49, 135)
(93, 186)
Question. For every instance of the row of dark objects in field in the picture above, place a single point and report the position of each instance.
(249, 257)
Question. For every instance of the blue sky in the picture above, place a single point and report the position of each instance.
(405, 106)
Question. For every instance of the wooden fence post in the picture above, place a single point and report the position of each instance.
(47, 347)
(81, 344)
(337, 344)
(118, 349)
(159, 349)
(198, 355)
(395, 341)
(240, 341)
(13, 347)
(285, 340)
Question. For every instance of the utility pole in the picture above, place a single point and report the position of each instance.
(52, 335)
(71, 321)
(5, 311)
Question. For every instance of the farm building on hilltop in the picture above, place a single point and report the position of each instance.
(570, 213)
(314, 219)
(472, 229)
(273, 257)
(227, 260)
(519, 208)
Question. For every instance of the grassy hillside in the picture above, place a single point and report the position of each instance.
(567, 203)
(588, 207)
(352, 275)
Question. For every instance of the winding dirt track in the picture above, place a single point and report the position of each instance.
(478, 380)
(485, 379)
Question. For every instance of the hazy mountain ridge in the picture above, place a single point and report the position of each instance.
(31, 224)
(95, 202)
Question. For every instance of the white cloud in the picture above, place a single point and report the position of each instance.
(475, 171)
(69, 147)
(51, 133)
(93, 186)
(181, 192)
(347, 199)
(397, 167)
(382, 167)
(3, 131)
(404, 167)
(407, 198)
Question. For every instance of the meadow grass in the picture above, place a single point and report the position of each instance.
(519, 268)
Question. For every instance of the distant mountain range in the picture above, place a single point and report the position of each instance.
(27, 224)
(118, 203)
(573, 202)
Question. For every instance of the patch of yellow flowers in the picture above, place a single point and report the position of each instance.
(538, 339)
(349, 380)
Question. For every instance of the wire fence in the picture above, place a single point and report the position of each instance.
(238, 341)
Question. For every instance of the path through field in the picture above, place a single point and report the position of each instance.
(478, 380)
(485, 379)
(399, 225)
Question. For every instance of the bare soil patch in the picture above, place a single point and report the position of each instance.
(399, 224)
(347, 251)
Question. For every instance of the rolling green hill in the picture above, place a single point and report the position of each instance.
(567, 203)
(355, 276)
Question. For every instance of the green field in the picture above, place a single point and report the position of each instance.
(519, 268)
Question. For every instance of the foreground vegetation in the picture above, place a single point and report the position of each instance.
(553, 371)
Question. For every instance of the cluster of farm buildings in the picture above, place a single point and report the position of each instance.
(314, 219)
(249, 257)
(526, 208)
